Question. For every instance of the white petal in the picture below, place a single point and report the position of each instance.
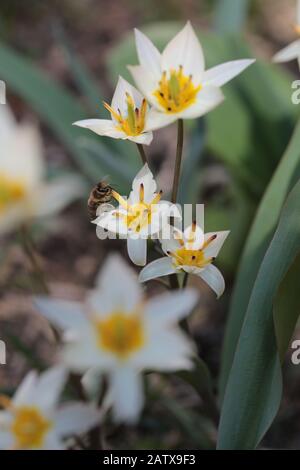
(127, 393)
(145, 82)
(168, 350)
(118, 282)
(164, 310)
(215, 246)
(158, 268)
(208, 98)
(171, 241)
(112, 223)
(6, 437)
(76, 418)
(145, 178)
(26, 389)
(221, 74)
(157, 119)
(49, 387)
(52, 442)
(92, 382)
(8, 123)
(149, 56)
(145, 138)
(62, 313)
(193, 238)
(104, 127)
(185, 50)
(213, 277)
(137, 250)
(290, 52)
(119, 98)
(56, 195)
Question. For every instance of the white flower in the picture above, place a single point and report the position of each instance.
(23, 193)
(190, 251)
(292, 51)
(137, 218)
(175, 82)
(33, 421)
(129, 116)
(118, 332)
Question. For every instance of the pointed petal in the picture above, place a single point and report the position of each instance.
(62, 313)
(148, 54)
(213, 277)
(221, 74)
(104, 127)
(145, 82)
(119, 98)
(137, 250)
(171, 241)
(158, 268)
(117, 283)
(194, 237)
(144, 139)
(76, 418)
(157, 119)
(185, 50)
(55, 196)
(145, 178)
(207, 99)
(215, 246)
(7, 121)
(26, 389)
(290, 52)
(127, 393)
(49, 387)
(167, 309)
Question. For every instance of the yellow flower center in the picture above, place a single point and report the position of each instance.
(185, 256)
(29, 427)
(176, 92)
(138, 216)
(10, 191)
(120, 334)
(134, 123)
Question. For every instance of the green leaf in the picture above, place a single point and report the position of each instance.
(257, 243)
(254, 386)
(287, 308)
(230, 15)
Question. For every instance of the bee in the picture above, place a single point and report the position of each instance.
(100, 194)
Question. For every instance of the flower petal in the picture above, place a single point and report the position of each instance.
(158, 268)
(148, 54)
(290, 52)
(185, 50)
(119, 98)
(194, 237)
(221, 74)
(49, 386)
(137, 250)
(157, 119)
(208, 98)
(167, 309)
(62, 313)
(145, 178)
(215, 246)
(76, 418)
(127, 394)
(26, 389)
(144, 81)
(104, 127)
(145, 138)
(213, 277)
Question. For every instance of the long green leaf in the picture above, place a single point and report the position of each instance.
(231, 15)
(257, 243)
(254, 386)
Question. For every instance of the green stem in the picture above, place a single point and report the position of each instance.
(185, 280)
(177, 161)
(142, 153)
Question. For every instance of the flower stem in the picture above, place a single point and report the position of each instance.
(185, 280)
(31, 252)
(177, 161)
(142, 153)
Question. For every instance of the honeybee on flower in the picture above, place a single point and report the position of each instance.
(129, 116)
(32, 419)
(118, 332)
(175, 82)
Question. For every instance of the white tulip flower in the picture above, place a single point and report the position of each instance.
(175, 82)
(120, 333)
(32, 419)
(192, 252)
(292, 51)
(24, 195)
(129, 116)
(137, 217)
